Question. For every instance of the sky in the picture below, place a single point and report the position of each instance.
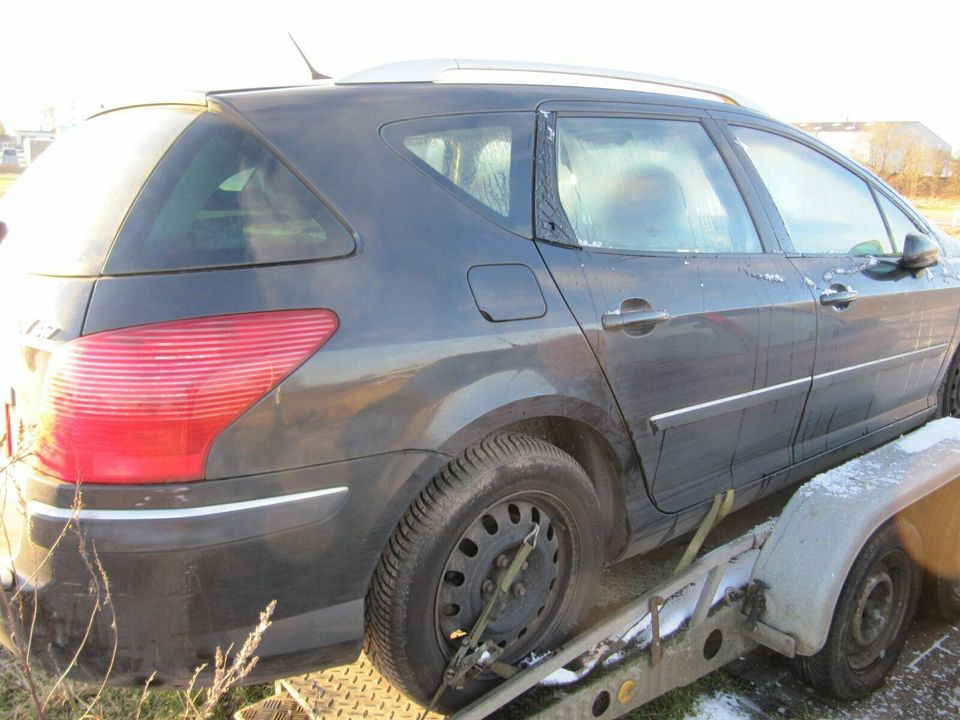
(809, 61)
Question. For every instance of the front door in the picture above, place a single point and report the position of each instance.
(883, 333)
(706, 339)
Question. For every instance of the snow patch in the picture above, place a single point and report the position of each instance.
(723, 706)
(850, 480)
(769, 277)
(929, 435)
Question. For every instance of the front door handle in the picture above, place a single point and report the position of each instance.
(839, 295)
(617, 320)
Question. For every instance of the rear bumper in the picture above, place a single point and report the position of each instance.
(188, 569)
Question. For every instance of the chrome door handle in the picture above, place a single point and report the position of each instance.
(839, 297)
(616, 320)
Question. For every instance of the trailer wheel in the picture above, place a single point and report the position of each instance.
(870, 623)
(458, 538)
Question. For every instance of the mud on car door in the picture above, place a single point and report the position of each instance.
(705, 335)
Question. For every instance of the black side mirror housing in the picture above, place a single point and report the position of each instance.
(919, 251)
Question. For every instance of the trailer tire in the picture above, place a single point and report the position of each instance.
(871, 620)
(456, 540)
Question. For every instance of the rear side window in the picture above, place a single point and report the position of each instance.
(826, 208)
(485, 160)
(220, 198)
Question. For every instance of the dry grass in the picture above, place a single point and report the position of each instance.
(935, 204)
(6, 180)
(72, 700)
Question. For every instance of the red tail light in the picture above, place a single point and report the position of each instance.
(144, 404)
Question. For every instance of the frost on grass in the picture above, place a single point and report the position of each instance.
(724, 706)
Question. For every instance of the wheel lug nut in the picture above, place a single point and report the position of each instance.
(487, 587)
(503, 561)
(519, 590)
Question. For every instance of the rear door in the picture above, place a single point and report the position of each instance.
(705, 337)
(882, 333)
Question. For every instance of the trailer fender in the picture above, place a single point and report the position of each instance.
(804, 564)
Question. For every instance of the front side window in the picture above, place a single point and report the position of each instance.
(825, 207)
(220, 198)
(900, 224)
(649, 185)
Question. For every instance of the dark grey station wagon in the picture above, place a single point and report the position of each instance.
(343, 345)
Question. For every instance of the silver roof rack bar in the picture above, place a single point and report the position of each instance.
(427, 71)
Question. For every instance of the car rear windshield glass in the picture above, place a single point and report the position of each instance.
(485, 160)
(63, 213)
(220, 198)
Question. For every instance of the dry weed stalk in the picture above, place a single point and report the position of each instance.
(12, 605)
(227, 673)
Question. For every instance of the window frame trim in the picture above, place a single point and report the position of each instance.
(547, 200)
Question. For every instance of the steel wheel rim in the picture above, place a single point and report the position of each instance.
(879, 611)
(468, 572)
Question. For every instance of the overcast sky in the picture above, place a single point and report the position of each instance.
(800, 61)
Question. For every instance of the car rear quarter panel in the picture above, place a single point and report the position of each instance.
(414, 364)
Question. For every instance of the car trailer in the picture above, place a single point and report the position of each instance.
(833, 583)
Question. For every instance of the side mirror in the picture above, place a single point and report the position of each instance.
(919, 251)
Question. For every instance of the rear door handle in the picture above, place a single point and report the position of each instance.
(839, 297)
(616, 320)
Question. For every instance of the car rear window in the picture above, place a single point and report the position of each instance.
(220, 198)
(63, 214)
(485, 160)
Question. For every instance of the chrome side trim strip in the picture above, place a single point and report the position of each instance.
(931, 350)
(727, 404)
(35, 507)
(733, 403)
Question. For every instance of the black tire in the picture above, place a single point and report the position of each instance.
(870, 623)
(433, 571)
(941, 550)
(950, 392)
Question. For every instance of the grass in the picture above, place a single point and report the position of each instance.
(71, 701)
(935, 204)
(6, 180)
(680, 703)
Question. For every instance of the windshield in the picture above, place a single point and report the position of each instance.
(62, 215)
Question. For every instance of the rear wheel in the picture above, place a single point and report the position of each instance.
(870, 623)
(455, 543)
(950, 400)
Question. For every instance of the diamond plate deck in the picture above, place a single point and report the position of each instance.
(352, 691)
(277, 707)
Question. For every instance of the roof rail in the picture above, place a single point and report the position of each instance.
(426, 71)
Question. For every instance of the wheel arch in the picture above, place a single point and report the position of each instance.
(593, 436)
